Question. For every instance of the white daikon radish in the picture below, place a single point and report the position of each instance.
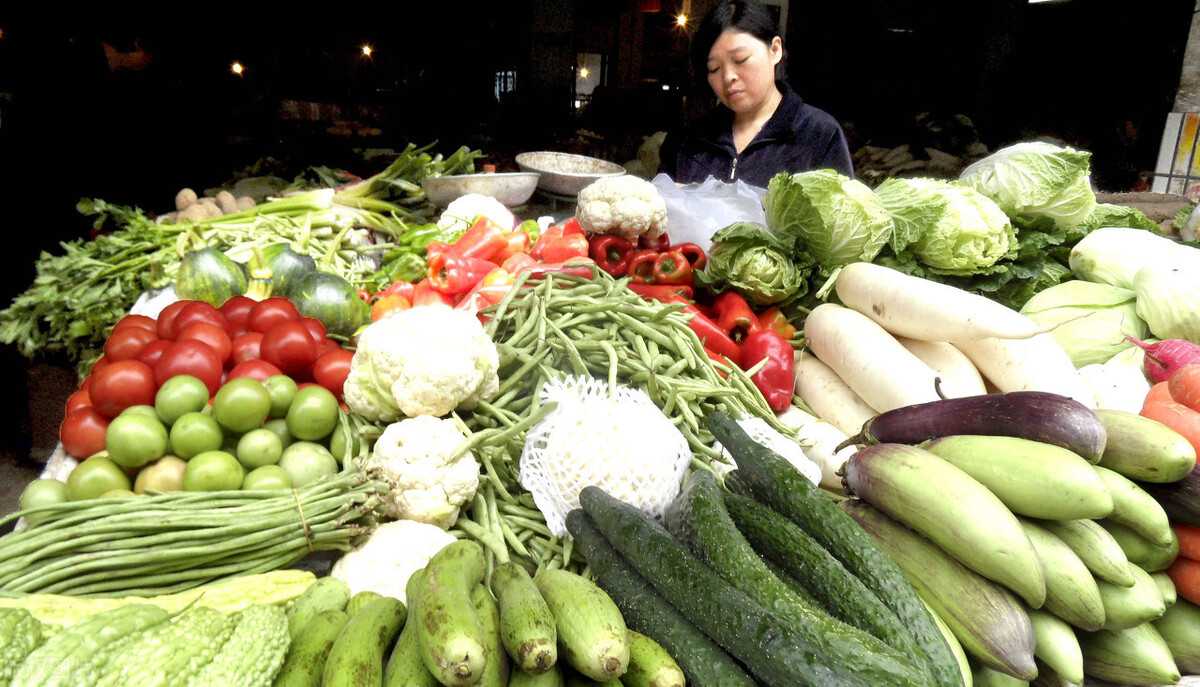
(1117, 386)
(820, 440)
(822, 390)
(1038, 363)
(927, 310)
(958, 373)
(869, 359)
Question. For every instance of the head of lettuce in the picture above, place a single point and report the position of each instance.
(1038, 184)
(756, 263)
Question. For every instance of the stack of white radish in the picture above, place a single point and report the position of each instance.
(896, 340)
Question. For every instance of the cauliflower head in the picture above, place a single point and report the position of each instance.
(461, 213)
(623, 205)
(389, 556)
(427, 360)
(413, 457)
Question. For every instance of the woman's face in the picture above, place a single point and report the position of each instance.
(741, 69)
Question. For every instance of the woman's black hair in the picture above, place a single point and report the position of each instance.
(748, 16)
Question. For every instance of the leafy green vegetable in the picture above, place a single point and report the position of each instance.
(756, 263)
(1110, 215)
(832, 219)
(1092, 319)
(1038, 184)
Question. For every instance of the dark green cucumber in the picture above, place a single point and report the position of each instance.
(698, 517)
(773, 481)
(774, 650)
(704, 663)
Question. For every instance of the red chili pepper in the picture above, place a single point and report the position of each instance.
(735, 315)
(710, 333)
(565, 247)
(661, 292)
(672, 267)
(514, 263)
(776, 379)
(773, 318)
(694, 254)
(482, 241)
(516, 242)
(397, 288)
(611, 253)
(659, 244)
(425, 294)
(364, 294)
(458, 275)
(641, 266)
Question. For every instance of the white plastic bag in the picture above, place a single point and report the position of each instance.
(696, 211)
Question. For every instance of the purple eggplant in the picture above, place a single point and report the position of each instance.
(1180, 500)
(1037, 415)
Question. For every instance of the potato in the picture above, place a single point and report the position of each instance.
(226, 202)
(245, 203)
(184, 198)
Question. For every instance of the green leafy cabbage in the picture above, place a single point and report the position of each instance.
(756, 263)
(833, 219)
(1038, 184)
(1091, 320)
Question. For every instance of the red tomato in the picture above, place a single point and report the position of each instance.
(127, 343)
(99, 364)
(137, 321)
(255, 369)
(331, 370)
(316, 328)
(120, 384)
(87, 382)
(198, 311)
(387, 305)
(82, 432)
(245, 346)
(272, 311)
(166, 319)
(290, 347)
(237, 312)
(191, 357)
(210, 334)
(79, 399)
(328, 345)
(152, 351)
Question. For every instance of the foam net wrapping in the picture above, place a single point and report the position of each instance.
(617, 439)
(762, 433)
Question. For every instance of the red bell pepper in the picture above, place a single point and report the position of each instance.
(578, 267)
(661, 292)
(564, 248)
(516, 242)
(710, 333)
(659, 244)
(671, 267)
(735, 315)
(555, 231)
(777, 377)
(398, 288)
(425, 294)
(611, 253)
(482, 241)
(458, 274)
(694, 254)
(641, 266)
(774, 319)
(514, 263)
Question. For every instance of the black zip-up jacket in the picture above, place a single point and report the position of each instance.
(798, 137)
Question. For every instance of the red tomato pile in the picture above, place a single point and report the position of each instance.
(242, 338)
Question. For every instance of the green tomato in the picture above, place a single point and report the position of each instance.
(164, 474)
(179, 395)
(148, 411)
(259, 447)
(195, 433)
(313, 413)
(213, 471)
(117, 494)
(95, 476)
(267, 477)
(342, 442)
(241, 404)
(43, 491)
(134, 439)
(282, 389)
(279, 427)
(306, 461)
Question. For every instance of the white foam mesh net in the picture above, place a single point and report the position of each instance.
(619, 441)
(758, 430)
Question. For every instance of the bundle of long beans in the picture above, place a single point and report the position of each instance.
(176, 541)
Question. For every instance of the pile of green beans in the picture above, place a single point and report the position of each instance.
(560, 325)
(176, 541)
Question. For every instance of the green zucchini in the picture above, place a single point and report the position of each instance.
(324, 594)
(305, 659)
(698, 518)
(775, 651)
(359, 654)
(776, 483)
(405, 668)
(650, 665)
(704, 663)
(526, 623)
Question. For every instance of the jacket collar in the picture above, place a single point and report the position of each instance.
(718, 125)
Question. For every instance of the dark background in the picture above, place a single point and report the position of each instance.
(1096, 75)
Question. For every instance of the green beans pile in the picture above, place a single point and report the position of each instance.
(563, 325)
(176, 541)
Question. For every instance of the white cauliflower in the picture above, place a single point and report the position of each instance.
(623, 205)
(389, 556)
(413, 457)
(460, 214)
(427, 360)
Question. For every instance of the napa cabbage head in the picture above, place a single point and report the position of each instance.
(946, 225)
(1038, 184)
(833, 219)
(1091, 320)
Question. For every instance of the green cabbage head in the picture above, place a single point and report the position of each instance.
(832, 218)
(946, 225)
(1090, 319)
(1037, 184)
(756, 263)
